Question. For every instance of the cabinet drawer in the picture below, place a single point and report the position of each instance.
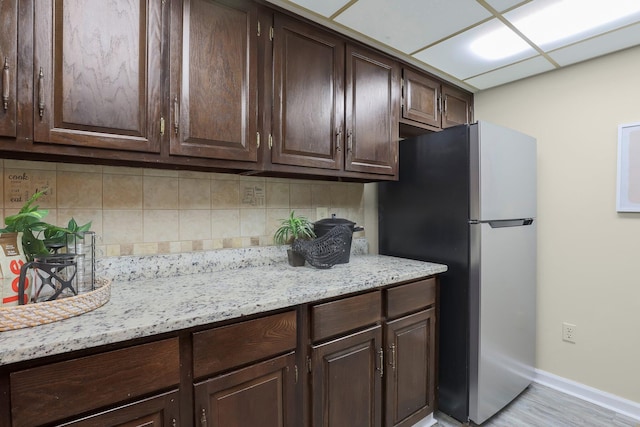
(226, 347)
(160, 410)
(410, 297)
(344, 315)
(59, 390)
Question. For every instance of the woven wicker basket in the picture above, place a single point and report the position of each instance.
(24, 316)
(326, 251)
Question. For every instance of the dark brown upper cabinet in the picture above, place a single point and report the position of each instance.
(456, 106)
(421, 98)
(334, 104)
(308, 95)
(214, 79)
(8, 66)
(97, 74)
(372, 93)
(219, 85)
(429, 103)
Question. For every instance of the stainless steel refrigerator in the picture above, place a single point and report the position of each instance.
(466, 197)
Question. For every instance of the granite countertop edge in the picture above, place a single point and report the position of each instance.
(146, 307)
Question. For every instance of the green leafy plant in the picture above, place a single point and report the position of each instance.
(293, 227)
(29, 222)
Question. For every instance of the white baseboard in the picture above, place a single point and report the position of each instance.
(427, 421)
(590, 394)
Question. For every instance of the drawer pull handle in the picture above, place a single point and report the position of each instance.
(392, 362)
(5, 84)
(381, 357)
(41, 93)
(176, 114)
(338, 140)
(203, 418)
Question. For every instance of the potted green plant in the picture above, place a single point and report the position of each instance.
(292, 228)
(28, 221)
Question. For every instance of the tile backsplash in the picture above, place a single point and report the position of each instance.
(136, 211)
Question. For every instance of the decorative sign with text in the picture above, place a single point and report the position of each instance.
(21, 185)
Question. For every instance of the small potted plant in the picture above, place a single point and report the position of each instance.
(38, 236)
(292, 228)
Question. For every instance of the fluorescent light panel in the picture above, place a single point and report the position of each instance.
(557, 21)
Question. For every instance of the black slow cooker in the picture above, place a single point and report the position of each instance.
(323, 226)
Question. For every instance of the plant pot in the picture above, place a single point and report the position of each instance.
(295, 259)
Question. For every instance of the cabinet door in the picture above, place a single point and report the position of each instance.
(8, 66)
(97, 73)
(308, 104)
(262, 394)
(372, 107)
(421, 96)
(410, 380)
(347, 379)
(159, 411)
(456, 107)
(214, 79)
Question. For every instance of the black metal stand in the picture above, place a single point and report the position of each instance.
(55, 271)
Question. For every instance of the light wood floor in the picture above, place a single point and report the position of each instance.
(540, 406)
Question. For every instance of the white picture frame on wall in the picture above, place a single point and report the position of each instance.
(628, 182)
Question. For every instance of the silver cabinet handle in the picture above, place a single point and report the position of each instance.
(381, 368)
(338, 140)
(5, 84)
(176, 114)
(350, 140)
(203, 418)
(392, 362)
(41, 93)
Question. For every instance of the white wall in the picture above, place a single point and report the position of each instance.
(588, 254)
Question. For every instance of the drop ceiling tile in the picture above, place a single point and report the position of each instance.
(510, 73)
(502, 5)
(601, 45)
(454, 55)
(325, 7)
(536, 5)
(411, 24)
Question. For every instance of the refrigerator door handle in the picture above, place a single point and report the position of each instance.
(506, 222)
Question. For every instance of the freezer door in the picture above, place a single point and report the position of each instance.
(503, 315)
(503, 173)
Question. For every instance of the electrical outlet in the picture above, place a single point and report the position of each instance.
(568, 332)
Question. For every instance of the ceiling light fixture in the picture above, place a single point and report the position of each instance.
(499, 44)
(557, 21)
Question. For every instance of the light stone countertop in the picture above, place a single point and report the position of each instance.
(147, 306)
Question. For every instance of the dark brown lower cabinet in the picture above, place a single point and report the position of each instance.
(347, 380)
(409, 380)
(247, 373)
(370, 361)
(359, 343)
(158, 411)
(259, 395)
(79, 389)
